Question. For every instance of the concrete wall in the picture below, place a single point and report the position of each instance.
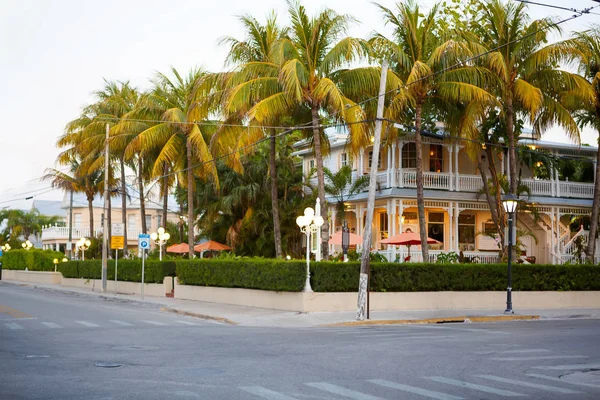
(47, 278)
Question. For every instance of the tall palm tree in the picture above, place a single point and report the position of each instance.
(307, 65)
(420, 56)
(341, 187)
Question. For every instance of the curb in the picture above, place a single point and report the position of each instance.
(497, 318)
(197, 315)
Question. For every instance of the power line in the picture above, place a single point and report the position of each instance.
(584, 11)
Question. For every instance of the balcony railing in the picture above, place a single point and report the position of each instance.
(62, 233)
(431, 180)
(480, 257)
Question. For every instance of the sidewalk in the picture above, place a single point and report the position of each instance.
(251, 316)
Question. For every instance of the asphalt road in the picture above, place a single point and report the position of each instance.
(57, 345)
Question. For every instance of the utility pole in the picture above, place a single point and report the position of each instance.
(364, 262)
(105, 227)
(70, 243)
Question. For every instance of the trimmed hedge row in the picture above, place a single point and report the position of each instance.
(276, 275)
(412, 277)
(128, 270)
(33, 260)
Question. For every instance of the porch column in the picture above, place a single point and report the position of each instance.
(400, 177)
(456, 212)
(450, 226)
(557, 181)
(388, 171)
(451, 179)
(361, 155)
(456, 150)
(401, 228)
(501, 164)
(332, 212)
(393, 181)
(57, 247)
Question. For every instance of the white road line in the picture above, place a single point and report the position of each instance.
(122, 323)
(553, 379)
(423, 392)
(340, 391)
(454, 328)
(186, 323)
(518, 351)
(52, 325)
(534, 358)
(528, 384)
(13, 326)
(266, 393)
(88, 324)
(570, 367)
(473, 386)
(155, 323)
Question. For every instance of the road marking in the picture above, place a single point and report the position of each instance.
(13, 313)
(187, 393)
(122, 323)
(266, 393)
(553, 379)
(528, 384)
(155, 323)
(52, 325)
(88, 324)
(570, 367)
(473, 386)
(187, 323)
(533, 358)
(415, 390)
(12, 325)
(518, 351)
(340, 391)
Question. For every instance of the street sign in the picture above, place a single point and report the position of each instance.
(118, 229)
(117, 242)
(144, 241)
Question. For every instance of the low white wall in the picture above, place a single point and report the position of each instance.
(43, 277)
(150, 289)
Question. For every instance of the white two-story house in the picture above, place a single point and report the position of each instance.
(457, 215)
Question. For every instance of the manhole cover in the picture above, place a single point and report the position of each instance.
(136, 348)
(37, 356)
(107, 365)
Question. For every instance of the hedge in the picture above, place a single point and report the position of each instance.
(261, 274)
(412, 277)
(128, 270)
(33, 260)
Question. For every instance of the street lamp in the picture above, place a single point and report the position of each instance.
(27, 244)
(310, 224)
(345, 240)
(6, 247)
(55, 263)
(83, 245)
(509, 202)
(160, 238)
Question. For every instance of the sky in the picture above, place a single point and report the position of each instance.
(55, 54)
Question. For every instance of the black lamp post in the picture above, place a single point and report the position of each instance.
(345, 240)
(510, 202)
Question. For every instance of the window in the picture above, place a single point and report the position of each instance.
(409, 156)
(466, 231)
(490, 229)
(371, 160)
(436, 158)
(131, 222)
(383, 225)
(435, 228)
(77, 220)
(149, 222)
(344, 159)
(311, 165)
(159, 221)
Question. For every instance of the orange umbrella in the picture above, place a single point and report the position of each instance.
(179, 248)
(211, 245)
(355, 239)
(407, 239)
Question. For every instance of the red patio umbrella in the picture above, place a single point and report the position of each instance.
(179, 248)
(211, 245)
(355, 239)
(407, 239)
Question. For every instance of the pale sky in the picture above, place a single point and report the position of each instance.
(54, 54)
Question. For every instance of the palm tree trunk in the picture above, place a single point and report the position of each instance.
(420, 196)
(124, 205)
(190, 194)
(320, 181)
(591, 247)
(498, 204)
(274, 195)
(90, 200)
(165, 195)
(142, 200)
(510, 133)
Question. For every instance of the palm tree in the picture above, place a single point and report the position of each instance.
(341, 187)
(307, 65)
(584, 49)
(420, 58)
(24, 223)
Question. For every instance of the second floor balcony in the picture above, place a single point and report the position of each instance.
(61, 233)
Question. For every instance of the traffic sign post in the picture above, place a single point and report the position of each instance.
(143, 245)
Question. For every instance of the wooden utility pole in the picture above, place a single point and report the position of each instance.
(105, 220)
(364, 262)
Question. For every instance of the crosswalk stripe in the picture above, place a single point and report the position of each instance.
(474, 386)
(569, 367)
(122, 323)
(266, 393)
(553, 379)
(528, 384)
(423, 392)
(88, 324)
(52, 325)
(340, 391)
(155, 323)
(12, 325)
(187, 323)
(535, 358)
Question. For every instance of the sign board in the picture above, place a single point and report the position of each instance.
(117, 242)
(144, 241)
(118, 229)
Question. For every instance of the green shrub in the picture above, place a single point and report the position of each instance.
(33, 260)
(277, 275)
(128, 270)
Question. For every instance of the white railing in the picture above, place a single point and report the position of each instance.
(570, 247)
(469, 183)
(480, 257)
(538, 187)
(62, 233)
(579, 190)
(431, 180)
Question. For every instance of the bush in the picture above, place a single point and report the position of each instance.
(33, 260)
(277, 275)
(128, 270)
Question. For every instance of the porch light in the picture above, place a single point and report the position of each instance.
(532, 147)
